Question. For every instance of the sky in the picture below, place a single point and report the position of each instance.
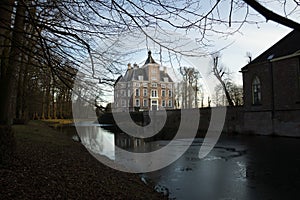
(253, 38)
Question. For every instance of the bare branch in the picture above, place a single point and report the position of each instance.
(270, 15)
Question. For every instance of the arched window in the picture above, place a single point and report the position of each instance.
(256, 91)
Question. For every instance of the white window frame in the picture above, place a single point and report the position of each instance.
(137, 92)
(170, 93)
(137, 102)
(163, 93)
(170, 103)
(145, 92)
(154, 85)
(163, 103)
(153, 93)
(145, 104)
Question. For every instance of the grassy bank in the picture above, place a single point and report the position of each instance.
(49, 165)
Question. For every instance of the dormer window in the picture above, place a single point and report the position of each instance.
(154, 84)
(141, 78)
(166, 79)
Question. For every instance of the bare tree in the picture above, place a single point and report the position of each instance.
(190, 86)
(220, 73)
(235, 92)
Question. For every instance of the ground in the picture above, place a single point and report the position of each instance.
(48, 164)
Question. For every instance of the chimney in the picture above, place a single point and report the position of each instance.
(135, 66)
(165, 70)
(129, 66)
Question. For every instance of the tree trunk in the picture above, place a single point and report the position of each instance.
(230, 102)
(54, 103)
(48, 101)
(7, 75)
(7, 83)
(20, 93)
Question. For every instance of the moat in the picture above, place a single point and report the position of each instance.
(238, 167)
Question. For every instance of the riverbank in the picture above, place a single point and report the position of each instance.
(48, 164)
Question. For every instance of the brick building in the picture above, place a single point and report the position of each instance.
(144, 88)
(271, 85)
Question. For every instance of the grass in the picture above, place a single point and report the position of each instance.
(59, 121)
(39, 131)
(48, 164)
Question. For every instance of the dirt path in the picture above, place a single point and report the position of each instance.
(49, 165)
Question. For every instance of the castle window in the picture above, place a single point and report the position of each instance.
(123, 93)
(137, 92)
(123, 103)
(154, 84)
(170, 103)
(170, 93)
(128, 93)
(256, 91)
(163, 93)
(145, 103)
(145, 91)
(163, 103)
(137, 102)
(154, 93)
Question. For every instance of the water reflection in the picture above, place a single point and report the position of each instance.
(237, 168)
(97, 140)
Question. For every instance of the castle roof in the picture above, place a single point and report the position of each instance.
(150, 59)
(134, 73)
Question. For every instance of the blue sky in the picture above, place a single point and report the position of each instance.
(253, 38)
